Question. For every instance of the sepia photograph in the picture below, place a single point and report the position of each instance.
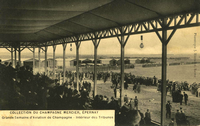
(100, 62)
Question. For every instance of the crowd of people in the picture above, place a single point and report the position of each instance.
(129, 78)
(21, 89)
(180, 117)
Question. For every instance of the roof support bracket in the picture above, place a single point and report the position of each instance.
(121, 36)
(54, 48)
(78, 42)
(8, 49)
(22, 49)
(123, 41)
(30, 50)
(95, 40)
(42, 49)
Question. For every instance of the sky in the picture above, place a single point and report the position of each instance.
(181, 43)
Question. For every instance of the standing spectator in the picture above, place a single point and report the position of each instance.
(134, 87)
(168, 109)
(154, 80)
(125, 85)
(115, 92)
(142, 121)
(181, 98)
(177, 116)
(138, 87)
(185, 98)
(147, 117)
(125, 99)
(131, 103)
(182, 117)
(136, 103)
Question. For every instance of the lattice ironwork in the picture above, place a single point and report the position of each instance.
(174, 22)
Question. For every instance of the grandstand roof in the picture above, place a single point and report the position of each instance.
(46, 20)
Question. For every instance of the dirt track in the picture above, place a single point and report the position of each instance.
(150, 99)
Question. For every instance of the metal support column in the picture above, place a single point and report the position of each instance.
(122, 42)
(33, 59)
(96, 44)
(64, 69)
(54, 49)
(164, 73)
(77, 63)
(122, 70)
(12, 56)
(15, 57)
(45, 63)
(165, 40)
(19, 56)
(39, 60)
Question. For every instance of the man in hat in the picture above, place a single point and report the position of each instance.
(181, 98)
(177, 116)
(182, 116)
(168, 109)
(136, 103)
(131, 103)
(185, 98)
(125, 99)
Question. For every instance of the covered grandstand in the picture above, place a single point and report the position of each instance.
(39, 24)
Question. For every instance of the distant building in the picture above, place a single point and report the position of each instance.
(147, 60)
(138, 61)
(50, 63)
(86, 61)
(143, 60)
(29, 63)
(98, 61)
(127, 61)
(113, 62)
(74, 62)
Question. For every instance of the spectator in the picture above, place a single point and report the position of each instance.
(182, 117)
(115, 92)
(136, 103)
(168, 109)
(181, 99)
(138, 87)
(131, 104)
(147, 117)
(185, 98)
(134, 87)
(142, 121)
(125, 99)
(177, 116)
